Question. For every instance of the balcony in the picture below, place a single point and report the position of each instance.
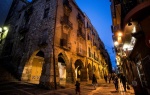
(90, 54)
(88, 29)
(81, 52)
(96, 58)
(94, 45)
(81, 34)
(64, 44)
(80, 19)
(65, 21)
(67, 6)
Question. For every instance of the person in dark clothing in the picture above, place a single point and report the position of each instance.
(109, 77)
(105, 77)
(116, 82)
(123, 80)
(94, 81)
(77, 87)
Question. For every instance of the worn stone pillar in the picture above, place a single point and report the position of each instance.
(47, 76)
(69, 73)
(57, 70)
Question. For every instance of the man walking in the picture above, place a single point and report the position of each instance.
(123, 80)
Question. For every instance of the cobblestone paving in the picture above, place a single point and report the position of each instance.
(13, 88)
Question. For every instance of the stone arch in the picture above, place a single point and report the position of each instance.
(90, 72)
(33, 68)
(97, 72)
(79, 70)
(68, 66)
(64, 57)
(62, 69)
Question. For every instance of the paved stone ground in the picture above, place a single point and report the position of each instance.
(19, 88)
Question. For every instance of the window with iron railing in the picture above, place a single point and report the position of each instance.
(67, 6)
(88, 37)
(80, 18)
(80, 33)
(65, 21)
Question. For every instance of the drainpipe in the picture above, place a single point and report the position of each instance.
(55, 84)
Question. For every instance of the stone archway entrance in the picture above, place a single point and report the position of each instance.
(32, 70)
(62, 70)
(79, 70)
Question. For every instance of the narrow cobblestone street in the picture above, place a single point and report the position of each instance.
(17, 88)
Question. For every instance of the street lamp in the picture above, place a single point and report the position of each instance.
(116, 43)
(120, 37)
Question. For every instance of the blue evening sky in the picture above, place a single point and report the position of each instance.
(99, 13)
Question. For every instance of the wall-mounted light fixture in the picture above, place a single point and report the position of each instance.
(3, 33)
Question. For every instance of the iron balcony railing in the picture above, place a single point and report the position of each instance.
(80, 33)
(65, 21)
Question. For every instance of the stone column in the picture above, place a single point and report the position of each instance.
(57, 70)
(47, 76)
(69, 73)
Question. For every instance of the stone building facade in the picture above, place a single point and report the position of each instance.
(54, 43)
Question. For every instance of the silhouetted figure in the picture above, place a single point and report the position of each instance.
(123, 80)
(94, 81)
(77, 87)
(105, 77)
(116, 82)
(110, 77)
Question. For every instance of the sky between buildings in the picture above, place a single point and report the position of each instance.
(99, 13)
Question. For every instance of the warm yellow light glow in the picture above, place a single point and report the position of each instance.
(134, 29)
(4, 34)
(119, 39)
(0, 29)
(5, 28)
(116, 43)
(119, 34)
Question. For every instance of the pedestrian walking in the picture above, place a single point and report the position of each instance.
(115, 81)
(77, 87)
(123, 80)
(109, 77)
(105, 77)
(94, 81)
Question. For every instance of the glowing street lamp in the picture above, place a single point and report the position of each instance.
(116, 43)
(120, 37)
(119, 34)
